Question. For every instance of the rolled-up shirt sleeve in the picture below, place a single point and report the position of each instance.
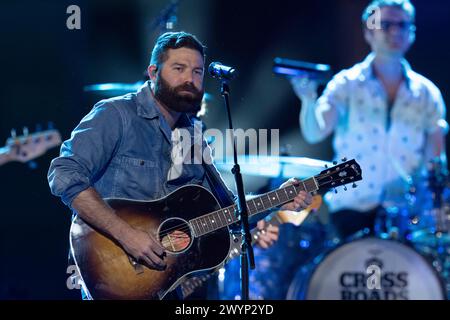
(436, 111)
(335, 95)
(85, 155)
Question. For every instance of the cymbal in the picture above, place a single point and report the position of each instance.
(113, 89)
(272, 166)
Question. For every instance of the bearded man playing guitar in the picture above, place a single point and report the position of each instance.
(121, 151)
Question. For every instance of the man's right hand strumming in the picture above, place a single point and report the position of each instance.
(141, 246)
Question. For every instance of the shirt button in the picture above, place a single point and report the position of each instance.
(142, 162)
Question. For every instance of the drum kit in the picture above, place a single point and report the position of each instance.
(407, 258)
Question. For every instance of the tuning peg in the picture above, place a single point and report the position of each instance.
(335, 162)
(345, 188)
(326, 166)
(25, 131)
(13, 133)
(354, 185)
(335, 190)
(344, 159)
(50, 125)
(38, 127)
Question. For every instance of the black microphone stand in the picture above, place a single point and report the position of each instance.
(247, 255)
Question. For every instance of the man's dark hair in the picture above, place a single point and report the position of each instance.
(174, 40)
(405, 5)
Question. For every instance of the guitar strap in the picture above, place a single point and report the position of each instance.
(217, 187)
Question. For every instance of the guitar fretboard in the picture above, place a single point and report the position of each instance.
(227, 216)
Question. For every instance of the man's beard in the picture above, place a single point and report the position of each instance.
(172, 99)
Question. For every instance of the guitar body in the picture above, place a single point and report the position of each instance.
(109, 273)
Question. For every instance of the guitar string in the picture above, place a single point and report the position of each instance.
(185, 228)
(181, 238)
(173, 241)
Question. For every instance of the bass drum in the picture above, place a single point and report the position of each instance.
(367, 269)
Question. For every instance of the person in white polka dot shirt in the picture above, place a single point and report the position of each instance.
(382, 113)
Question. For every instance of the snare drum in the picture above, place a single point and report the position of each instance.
(368, 269)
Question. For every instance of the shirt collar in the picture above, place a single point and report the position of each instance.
(367, 69)
(146, 106)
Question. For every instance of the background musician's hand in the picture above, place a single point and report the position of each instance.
(143, 248)
(304, 87)
(300, 202)
(268, 234)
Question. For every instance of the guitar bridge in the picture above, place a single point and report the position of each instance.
(138, 268)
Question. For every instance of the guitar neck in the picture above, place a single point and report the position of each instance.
(255, 233)
(226, 216)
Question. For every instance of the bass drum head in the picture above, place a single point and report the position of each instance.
(368, 269)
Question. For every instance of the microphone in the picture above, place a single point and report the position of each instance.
(220, 71)
(287, 67)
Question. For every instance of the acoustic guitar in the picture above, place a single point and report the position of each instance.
(190, 225)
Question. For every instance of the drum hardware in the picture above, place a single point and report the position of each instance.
(431, 227)
(412, 246)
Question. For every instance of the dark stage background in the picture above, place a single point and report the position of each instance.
(44, 67)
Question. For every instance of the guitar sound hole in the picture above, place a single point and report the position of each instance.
(175, 235)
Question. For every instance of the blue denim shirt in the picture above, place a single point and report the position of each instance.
(122, 148)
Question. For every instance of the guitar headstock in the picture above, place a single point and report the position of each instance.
(30, 146)
(341, 174)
